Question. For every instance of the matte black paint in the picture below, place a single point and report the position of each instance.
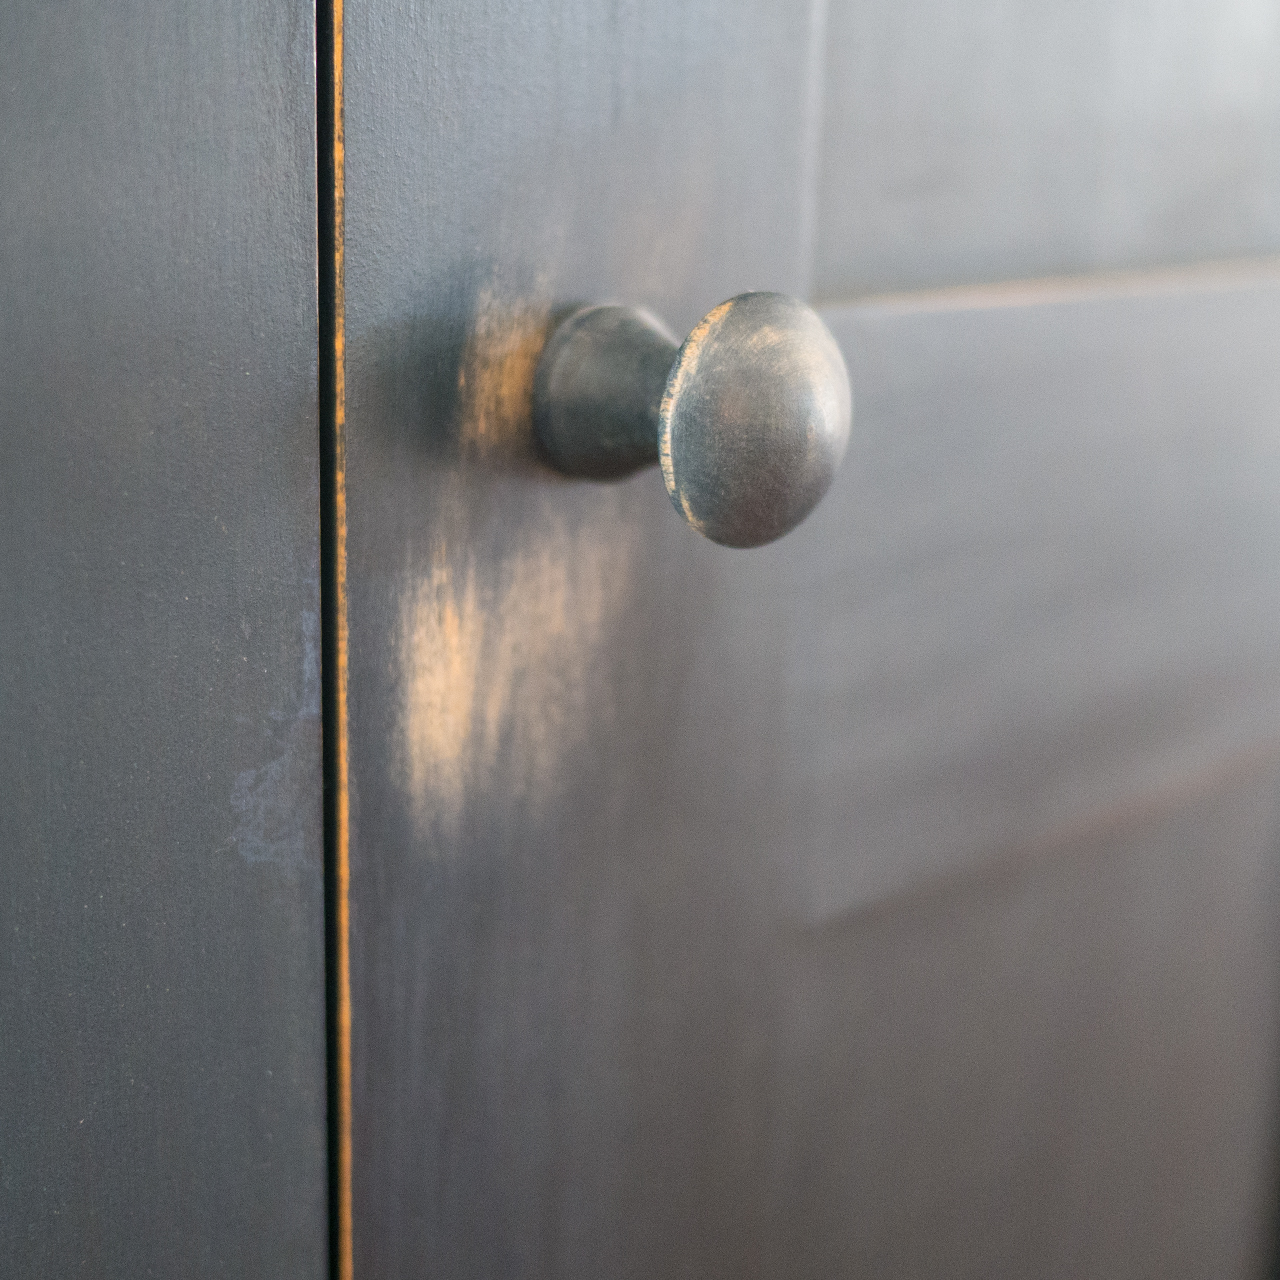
(161, 975)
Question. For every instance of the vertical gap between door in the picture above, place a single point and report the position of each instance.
(333, 561)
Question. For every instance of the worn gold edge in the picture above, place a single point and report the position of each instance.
(344, 1265)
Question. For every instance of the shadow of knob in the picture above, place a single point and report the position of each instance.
(749, 417)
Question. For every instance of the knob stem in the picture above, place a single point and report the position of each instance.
(598, 391)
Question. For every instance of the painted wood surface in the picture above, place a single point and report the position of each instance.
(897, 899)
(162, 1107)
(996, 140)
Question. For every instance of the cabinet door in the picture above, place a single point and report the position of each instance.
(898, 899)
(162, 1045)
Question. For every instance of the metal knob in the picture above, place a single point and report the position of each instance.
(749, 417)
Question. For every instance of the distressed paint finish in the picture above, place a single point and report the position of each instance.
(331, 240)
(835, 875)
(161, 1061)
(824, 909)
(504, 621)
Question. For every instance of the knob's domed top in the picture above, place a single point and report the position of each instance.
(755, 419)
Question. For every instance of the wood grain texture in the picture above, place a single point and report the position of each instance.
(162, 1097)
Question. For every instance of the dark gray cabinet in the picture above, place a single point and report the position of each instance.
(162, 1028)
(898, 899)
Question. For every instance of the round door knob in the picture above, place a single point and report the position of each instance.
(749, 417)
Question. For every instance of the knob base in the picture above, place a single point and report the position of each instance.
(598, 391)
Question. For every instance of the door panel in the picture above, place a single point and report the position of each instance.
(991, 140)
(1063, 1067)
(162, 1088)
(503, 160)
(896, 899)
(1043, 586)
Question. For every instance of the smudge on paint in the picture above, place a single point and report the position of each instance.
(273, 801)
(497, 674)
(495, 380)
(499, 645)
